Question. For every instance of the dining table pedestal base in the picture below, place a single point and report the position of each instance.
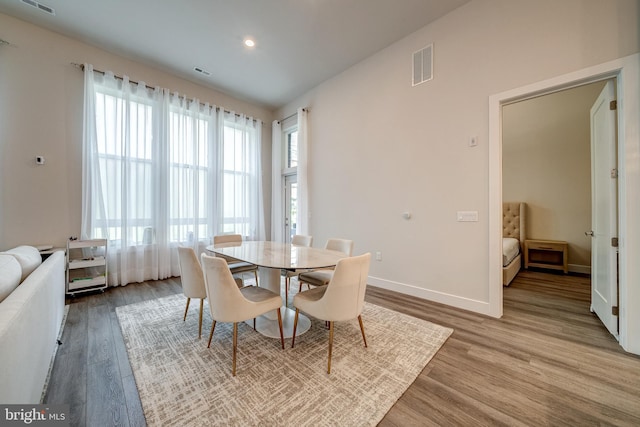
(267, 324)
(269, 327)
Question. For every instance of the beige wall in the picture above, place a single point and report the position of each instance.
(379, 146)
(547, 163)
(41, 114)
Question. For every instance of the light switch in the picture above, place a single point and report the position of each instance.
(467, 216)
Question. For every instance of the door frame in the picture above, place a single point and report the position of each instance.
(626, 71)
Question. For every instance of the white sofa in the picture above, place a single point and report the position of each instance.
(31, 313)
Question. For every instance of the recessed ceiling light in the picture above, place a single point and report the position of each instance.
(249, 42)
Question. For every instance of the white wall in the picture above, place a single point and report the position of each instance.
(379, 147)
(546, 161)
(41, 97)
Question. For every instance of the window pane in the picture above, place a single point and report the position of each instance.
(188, 178)
(239, 179)
(292, 149)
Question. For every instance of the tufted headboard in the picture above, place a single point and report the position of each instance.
(514, 221)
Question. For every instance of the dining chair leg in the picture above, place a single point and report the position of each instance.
(330, 346)
(254, 323)
(200, 319)
(213, 326)
(295, 325)
(362, 330)
(255, 273)
(300, 285)
(186, 309)
(280, 325)
(235, 347)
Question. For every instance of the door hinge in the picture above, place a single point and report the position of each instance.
(614, 310)
(614, 242)
(614, 173)
(613, 105)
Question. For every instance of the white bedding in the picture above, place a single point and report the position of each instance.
(510, 250)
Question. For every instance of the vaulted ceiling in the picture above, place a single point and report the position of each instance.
(298, 43)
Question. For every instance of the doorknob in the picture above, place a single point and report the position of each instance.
(588, 233)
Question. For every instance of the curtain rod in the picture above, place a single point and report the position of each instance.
(291, 115)
(81, 66)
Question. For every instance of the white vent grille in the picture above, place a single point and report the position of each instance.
(202, 71)
(42, 7)
(423, 65)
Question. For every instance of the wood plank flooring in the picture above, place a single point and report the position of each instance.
(548, 361)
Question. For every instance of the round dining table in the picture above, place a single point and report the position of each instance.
(271, 258)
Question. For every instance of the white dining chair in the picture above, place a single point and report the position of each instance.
(231, 304)
(192, 281)
(342, 299)
(298, 240)
(236, 266)
(322, 277)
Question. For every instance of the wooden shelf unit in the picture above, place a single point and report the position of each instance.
(551, 254)
(86, 265)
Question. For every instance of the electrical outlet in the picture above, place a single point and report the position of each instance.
(378, 255)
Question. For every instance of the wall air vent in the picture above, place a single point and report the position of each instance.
(201, 71)
(42, 7)
(423, 65)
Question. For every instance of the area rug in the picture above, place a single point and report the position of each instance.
(182, 382)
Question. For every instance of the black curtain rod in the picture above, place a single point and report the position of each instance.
(81, 66)
(291, 115)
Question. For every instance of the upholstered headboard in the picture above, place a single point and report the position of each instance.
(514, 220)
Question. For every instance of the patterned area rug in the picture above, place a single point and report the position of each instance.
(182, 382)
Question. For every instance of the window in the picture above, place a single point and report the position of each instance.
(189, 186)
(127, 162)
(235, 178)
(289, 175)
(125, 156)
(160, 170)
(240, 204)
(292, 148)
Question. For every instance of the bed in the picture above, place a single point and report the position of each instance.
(513, 235)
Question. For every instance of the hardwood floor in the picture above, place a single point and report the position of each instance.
(548, 361)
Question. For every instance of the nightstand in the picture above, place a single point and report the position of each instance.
(551, 254)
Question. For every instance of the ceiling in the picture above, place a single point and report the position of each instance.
(299, 43)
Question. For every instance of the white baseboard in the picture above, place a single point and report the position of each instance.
(476, 306)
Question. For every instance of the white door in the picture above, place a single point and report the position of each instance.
(604, 211)
(290, 207)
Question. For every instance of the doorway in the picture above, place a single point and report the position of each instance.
(551, 163)
(626, 71)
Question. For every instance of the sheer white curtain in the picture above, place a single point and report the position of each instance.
(119, 201)
(240, 188)
(150, 175)
(277, 204)
(303, 185)
(191, 177)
